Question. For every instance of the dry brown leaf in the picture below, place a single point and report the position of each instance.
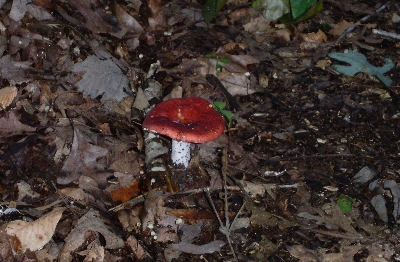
(189, 232)
(90, 222)
(83, 157)
(153, 206)
(236, 83)
(258, 24)
(284, 34)
(339, 28)
(128, 163)
(24, 190)
(259, 189)
(318, 37)
(11, 125)
(323, 63)
(346, 254)
(76, 194)
(137, 248)
(7, 95)
(126, 192)
(98, 19)
(235, 46)
(33, 235)
(302, 253)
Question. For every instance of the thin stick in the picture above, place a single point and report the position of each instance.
(224, 167)
(386, 34)
(362, 20)
(224, 229)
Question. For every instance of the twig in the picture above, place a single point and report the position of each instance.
(276, 159)
(224, 168)
(362, 20)
(132, 202)
(386, 34)
(223, 229)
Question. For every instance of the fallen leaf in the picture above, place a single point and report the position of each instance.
(90, 222)
(126, 192)
(378, 202)
(34, 235)
(364, 175)
(7, 95)
(254, 189)
(339, 28)
(18, 9)
(11, 125)
(358, 63)
(318, 37)
(395, 190)
(83, 157)
(189, 232)
(13, 71)
(24, 190)
(236, 83)
(302, 253)
(102, 78)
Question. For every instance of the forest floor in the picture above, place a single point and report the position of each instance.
(307, 169)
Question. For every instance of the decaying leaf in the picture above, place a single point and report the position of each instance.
(33, 235)
(7, 95)
(395, 190)
(364, 175)
(11, 125)
(339, 28)
(126, 192)
(13, 71)
(302, 253)
(254, 189)
(189, 232)
(24, 190)
(90, 222)
(83, 157)
(102, 78)
(379, 204)
(318, 37)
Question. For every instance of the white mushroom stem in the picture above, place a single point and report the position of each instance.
(180, 153)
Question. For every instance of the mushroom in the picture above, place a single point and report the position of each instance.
(185, 120)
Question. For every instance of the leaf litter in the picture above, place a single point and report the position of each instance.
(81, 87)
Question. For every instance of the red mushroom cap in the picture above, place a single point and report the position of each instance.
(192, 120)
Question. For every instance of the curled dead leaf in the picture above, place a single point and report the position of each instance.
(235, 46)
(7, 95)
(33, 235)
(317, 37)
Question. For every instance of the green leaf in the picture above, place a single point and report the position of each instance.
(313, 9)
(209, 11)
(219, 105)
(298, 7)
(271, 9)
(211, 55)
(218, 67)
(226, 113)
(358, 63)
(345, 203)
(224, 60)
(220, 4)
(211, 8)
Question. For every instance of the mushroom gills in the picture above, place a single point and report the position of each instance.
(180, 153)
